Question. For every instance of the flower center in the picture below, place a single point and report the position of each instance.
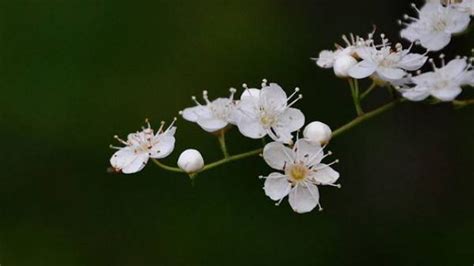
(297, 172)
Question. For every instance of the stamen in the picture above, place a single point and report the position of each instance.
(432, 64)
(344, 38)
(327, 165)
(204, 96)
(264, 83)
(293, 94)
(294, 101)
(162, 124)
(232, 92)
(120, 140)
(114, 147)
(413, 5)
(320, 208)
(171, 124)
(443, 62)
(195, 100)
(334, 185)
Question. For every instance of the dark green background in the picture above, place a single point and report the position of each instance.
(75, 72)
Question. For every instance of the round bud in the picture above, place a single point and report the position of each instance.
(190, 161)
(317, 133)
(342, 65)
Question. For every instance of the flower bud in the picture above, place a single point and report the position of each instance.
(190, 161)
(317, 133)
(342, 65)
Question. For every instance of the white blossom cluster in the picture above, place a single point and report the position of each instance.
(268, 112)
(432, 29)
(257, 113)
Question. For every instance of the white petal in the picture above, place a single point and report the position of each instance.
(468, 78)
(388, 73)
(280, 134)
(276, 186)
(410, 34)
(366, 52)
(251, 92)
(446, 94)
(251, 128)
(292, 119)
(273, 97)
(362, 70)
(137, 164)
(416, 95)
(425, 78)
(192, 114)
(459, 21)
(455, 67)
(326, 175)
(304, 198)
(435, 41)
(413, 62)
(212, 124)
(277, 155)
(164, 146)
(325, 59)
(308, 152)
(122, 158)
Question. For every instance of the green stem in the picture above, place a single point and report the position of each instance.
(354, 84)
(364, 117)
(369, 90)
(166, 167)
(222, 143)
(231, 159)
(462, 103)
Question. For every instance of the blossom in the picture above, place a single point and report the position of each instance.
(381, 62)
(267, 112)
(435, 25)
(317, 132)
(190, 161)
(343, 58)
(302, 171)
(214, 115)
(141, 146)
(443, 83)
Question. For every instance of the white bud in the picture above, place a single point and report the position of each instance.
(317, 133)
(190, 161)
(342, 65)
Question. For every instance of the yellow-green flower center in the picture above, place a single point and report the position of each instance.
(298, 172)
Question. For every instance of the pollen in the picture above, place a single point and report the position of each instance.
(298, 172)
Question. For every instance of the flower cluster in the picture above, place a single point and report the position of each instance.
(269, 113)
(364, 58)
(399, 68)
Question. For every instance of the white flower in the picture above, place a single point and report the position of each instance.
(383, 63)
(317, 133)
(141, 146)
(190, 161)
(435, 25)
(214, 115)
(267, 112)
(343, 58)
(302, 173)
(442, 83)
